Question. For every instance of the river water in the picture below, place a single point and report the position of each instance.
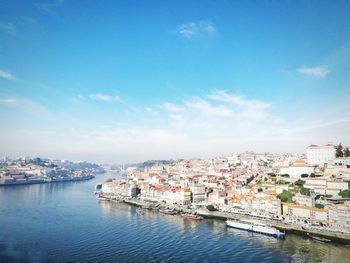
(63, 222)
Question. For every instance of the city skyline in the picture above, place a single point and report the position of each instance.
(127, 82)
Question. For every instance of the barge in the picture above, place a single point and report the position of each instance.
(256, 228)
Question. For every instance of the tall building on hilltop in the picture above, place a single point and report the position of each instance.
(320, 154)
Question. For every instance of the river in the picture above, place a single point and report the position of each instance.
(63, 222)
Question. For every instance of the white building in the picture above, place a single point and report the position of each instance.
(304, 214)
(304, 200)
(324, 186)
(298, 168)
(339, 217)
(317, 155)
(198, 193)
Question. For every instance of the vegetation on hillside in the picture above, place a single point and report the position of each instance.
(211, 208)
(345, 193)
(286, 196)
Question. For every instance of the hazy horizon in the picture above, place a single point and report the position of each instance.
(124, 82)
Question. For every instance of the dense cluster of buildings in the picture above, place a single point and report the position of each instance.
(294, 189)
(28, 170)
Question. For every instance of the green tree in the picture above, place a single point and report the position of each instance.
(211, 208)
(282, 182)
(339, 151)
(345, 193)
(305, 191)
(319, 206)
(300, 182)
(347, 152)
(285, 175)
(286, 196)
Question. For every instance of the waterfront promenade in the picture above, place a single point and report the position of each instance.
(286, 227)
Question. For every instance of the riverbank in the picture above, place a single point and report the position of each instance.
(287, 228)
(44, 181)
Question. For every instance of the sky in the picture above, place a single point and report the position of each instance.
(128, 81)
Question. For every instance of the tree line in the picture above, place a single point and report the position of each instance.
(342, 152)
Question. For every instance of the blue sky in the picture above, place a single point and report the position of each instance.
(125, 81)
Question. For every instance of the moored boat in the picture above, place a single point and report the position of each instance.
(256, 228)
(168, 211)
(193, 217)
(320, 239)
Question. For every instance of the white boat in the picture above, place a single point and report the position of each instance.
(256, 227)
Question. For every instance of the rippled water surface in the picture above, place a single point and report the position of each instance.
(64, 222)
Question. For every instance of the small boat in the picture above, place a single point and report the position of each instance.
(193, 217)
(320, 239)
(168, 211)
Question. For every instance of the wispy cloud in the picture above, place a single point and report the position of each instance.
(8, 27)
(204, 107)
(26, 106)
(26, 21)
(239, 100)
(6, 75)
(216, 122)
(220, 104)
(171, 107)
(193, 30)
(104, 98)
(7, 101)
(48, 6)
(318, 72)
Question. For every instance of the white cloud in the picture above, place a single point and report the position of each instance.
(220, 104)
(206, 108)
(238, 100)
(248, 108)
(171, 107)
(195, 29)
(212, 124)
(6, 75)
(318, 72)
(104, 98)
